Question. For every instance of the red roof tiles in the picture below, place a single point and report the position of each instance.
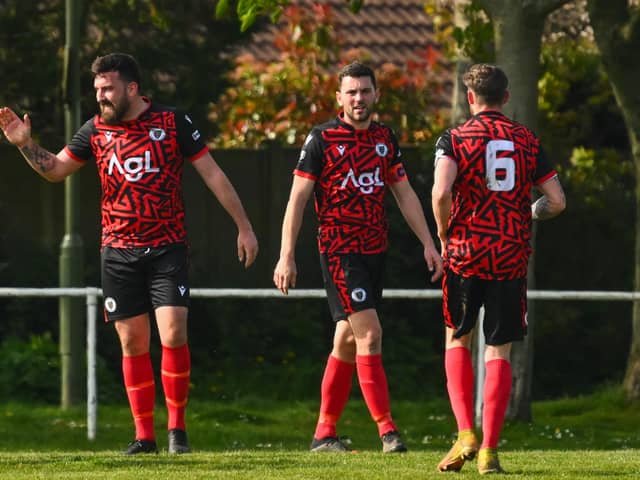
(394, 31)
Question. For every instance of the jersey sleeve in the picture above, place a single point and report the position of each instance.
(310, 162)
(544, 170)
(189, 137)
(444, 146)
(79, 148)
(396, 171)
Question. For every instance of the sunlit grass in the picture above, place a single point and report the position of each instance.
(278, 465)
(588, 437)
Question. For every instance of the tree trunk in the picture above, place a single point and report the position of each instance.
(459, 104)
(617, 33)
(518, 29)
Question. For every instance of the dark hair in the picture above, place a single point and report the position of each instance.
(123, 63)
(355, 70)
(487, 81)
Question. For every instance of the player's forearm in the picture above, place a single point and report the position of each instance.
(545, 208)
(230, 201)
(291, 226)
(551, 203)
(413, 214)
(441, 212)
(41, 160)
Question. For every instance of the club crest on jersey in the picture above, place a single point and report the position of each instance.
(157, 134)
(110, 304)
(365, 181)
(382, 149)
(359, 295)
(341, 149)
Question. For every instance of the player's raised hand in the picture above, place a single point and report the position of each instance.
(18, 132)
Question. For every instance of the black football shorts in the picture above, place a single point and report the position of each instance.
(353, 282)
(505, 307)
(136, 280)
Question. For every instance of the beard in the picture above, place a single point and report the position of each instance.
(111, 113)
(362, 115)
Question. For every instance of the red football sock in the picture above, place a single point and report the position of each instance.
(139, 383)
(334, 393)
(176, 371)
(497, 389)
(459, 371)
(373, 383)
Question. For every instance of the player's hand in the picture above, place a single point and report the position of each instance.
(434, 262)
(18, 132)
(285, 275)
(247, 247)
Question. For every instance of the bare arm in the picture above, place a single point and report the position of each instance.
(285, 273)
(444, 176)
(412, 211)
(221, 187)
(48, 165)
(551, 203)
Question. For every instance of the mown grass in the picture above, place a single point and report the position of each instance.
(596, 436)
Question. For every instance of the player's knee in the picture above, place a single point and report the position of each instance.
(371, 341)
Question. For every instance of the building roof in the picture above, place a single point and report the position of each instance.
(393, 31)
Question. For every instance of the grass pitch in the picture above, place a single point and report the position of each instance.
(579, 438)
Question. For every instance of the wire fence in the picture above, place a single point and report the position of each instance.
(92, 294)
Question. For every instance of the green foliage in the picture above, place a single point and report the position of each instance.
(277, 101)
(281, 101)
(222, 8)
(29, 370)
(584, 135)
(178, 49)
(355, 5)
(474, 41)
(32, 37)
(599, 186)
(595, 177)
(576, 103)
(249, 10)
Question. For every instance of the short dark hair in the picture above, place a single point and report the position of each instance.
(123, 63)
(355, 70)
(487, 81)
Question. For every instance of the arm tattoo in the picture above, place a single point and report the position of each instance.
(39, 158)
(540, 209)
(545, 208)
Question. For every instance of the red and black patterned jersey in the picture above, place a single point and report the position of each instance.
(498, 162)
(140, 168)
(352, 170)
